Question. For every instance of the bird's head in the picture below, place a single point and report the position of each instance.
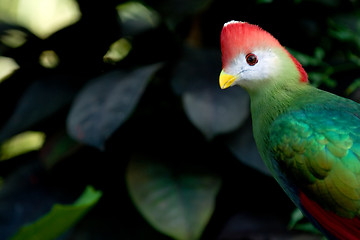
(251, 56)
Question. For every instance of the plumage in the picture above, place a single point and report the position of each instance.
(308, 138)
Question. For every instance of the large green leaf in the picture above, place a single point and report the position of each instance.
(106, 103)
(60, 218)
(41, 100)
(178, 204)
(212, 110)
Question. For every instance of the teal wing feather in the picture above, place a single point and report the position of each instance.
(318, 148)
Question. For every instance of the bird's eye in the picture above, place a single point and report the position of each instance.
(251, 59)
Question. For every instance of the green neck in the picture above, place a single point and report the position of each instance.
(267, 105)
(273, 97)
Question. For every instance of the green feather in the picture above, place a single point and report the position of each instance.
(315, 144)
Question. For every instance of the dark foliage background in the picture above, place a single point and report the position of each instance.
(172, 154)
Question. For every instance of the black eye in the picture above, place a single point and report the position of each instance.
(251, 59)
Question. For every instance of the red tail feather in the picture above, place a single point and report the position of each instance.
(340, 227)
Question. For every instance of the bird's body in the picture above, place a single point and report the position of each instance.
(312, 150)
(308, 138)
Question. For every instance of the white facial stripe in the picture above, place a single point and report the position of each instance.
(265, 68)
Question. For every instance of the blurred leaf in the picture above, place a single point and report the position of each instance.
(106, 103)
(42, 99)
(354, 59)
(307, 227)
(212, 110)
(323, 72)
(353, 87)
(215, 112)
(21, 143)
(60, 218)
(42, 17)
(26, 195)
(178, 204)
(345, 28)
(13, 38)
(330, 82)
(299, 222)
(174, 11)
(136, 18)
(7, 67)
(307, 60)
(319, 53)
(315, 78)
(296, 216)
(49, 59)
(118, 51)
(318, 78)
(264, 1)
(57, 148)
(243, 146)
(260, 225)
(327, 3)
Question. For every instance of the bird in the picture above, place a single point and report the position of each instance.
(307, 137)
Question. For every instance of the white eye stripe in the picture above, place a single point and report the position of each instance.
(264, 67)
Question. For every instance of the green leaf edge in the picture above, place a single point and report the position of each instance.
(174, 235)
(40, 228)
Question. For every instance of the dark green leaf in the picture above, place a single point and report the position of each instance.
(299, 222)
(353, 86)
(264, 1)
(256, 225)
(212, 110)
(60, 218)
(243, 146)
(57, 148)
(215, 111)
(41, 100)
(106, 103)
(305, 59)
(136, 18)
(319, 53)
(307, 227)
(345, 28)
(176, 204)
(296, 216)
(175, 11)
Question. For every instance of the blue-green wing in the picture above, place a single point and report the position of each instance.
(318, 148)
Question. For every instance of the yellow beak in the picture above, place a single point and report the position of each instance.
(225, 80)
